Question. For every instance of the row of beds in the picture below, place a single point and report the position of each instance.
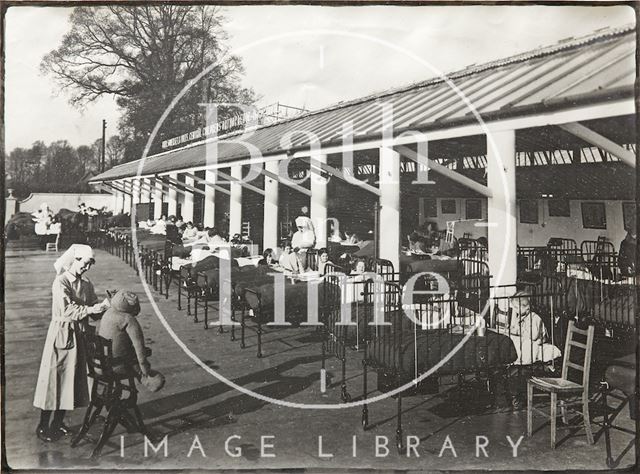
(443, 339)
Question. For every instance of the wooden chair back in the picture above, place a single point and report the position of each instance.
(572, 343)
(99, 356)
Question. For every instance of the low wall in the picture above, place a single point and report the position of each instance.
(71, 201)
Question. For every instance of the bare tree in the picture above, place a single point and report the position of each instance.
(115, 150)
(143, 56)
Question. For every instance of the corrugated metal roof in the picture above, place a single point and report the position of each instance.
(589, 69)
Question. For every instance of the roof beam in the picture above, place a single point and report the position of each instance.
(286, 182)
(600, 141)
(443, 170)
(142, 185)
(166, 188)
(103, 187)
(117, 188)
(176, 183)
(208, 183)
(317, 167)
(230, 178)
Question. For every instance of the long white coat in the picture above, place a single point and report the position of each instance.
(62, 380)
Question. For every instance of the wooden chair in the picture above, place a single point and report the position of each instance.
(114, 391)
(578, 393)
(53, 246)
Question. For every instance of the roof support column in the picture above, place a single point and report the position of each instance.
(501, 206)
(319, 202)
(135, 190)
(118, 202)
(389, 228)
(145, 192)
(173, 197)
(271, 198)
(235, 203)
(209, 199)
(126, 185)
(187, 206)
(157, 199)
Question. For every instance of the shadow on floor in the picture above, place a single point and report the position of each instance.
(225, 411)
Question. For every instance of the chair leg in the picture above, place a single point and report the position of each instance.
(180, 292)
(129, 422)
(233, 326)
(89, 419)
(553, 414)
(529, 409)
(206, 310)
(586, 417)
(365, 409)
(399, 444)
(344, 394)
(259, 338)
(563, 412)
(242, 328)
(607, 425)
(109, 427)
(195, 305)
(141, 425)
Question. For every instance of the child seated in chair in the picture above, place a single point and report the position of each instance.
(120, 326)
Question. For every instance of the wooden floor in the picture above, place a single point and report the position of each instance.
(194, 403)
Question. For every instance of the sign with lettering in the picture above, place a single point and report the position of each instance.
(229, 124)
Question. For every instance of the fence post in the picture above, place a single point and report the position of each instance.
(11, 206)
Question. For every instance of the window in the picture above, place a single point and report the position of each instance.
(430, 207)
(448, 206)
(473, 209)
(593, 215)
(528, 211)
(629, 215)
(559, 208)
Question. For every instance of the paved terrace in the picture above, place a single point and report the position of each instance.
(195, 403)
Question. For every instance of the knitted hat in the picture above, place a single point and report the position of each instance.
(126, 302)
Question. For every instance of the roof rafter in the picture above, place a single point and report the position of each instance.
(600, 141)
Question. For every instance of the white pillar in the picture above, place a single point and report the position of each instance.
(209, 200)
(389, 221)
(501, 209)
(235, 203)
(118, 202)
(157, 200)
(173, 197)
(145, 193)
(135, 185)
(126, 184)
(319, 203)
(271, 196)
(11, 206)
(187, 206)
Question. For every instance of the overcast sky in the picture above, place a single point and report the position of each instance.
(299, 55)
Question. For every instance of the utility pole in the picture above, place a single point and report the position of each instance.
(104, 143)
